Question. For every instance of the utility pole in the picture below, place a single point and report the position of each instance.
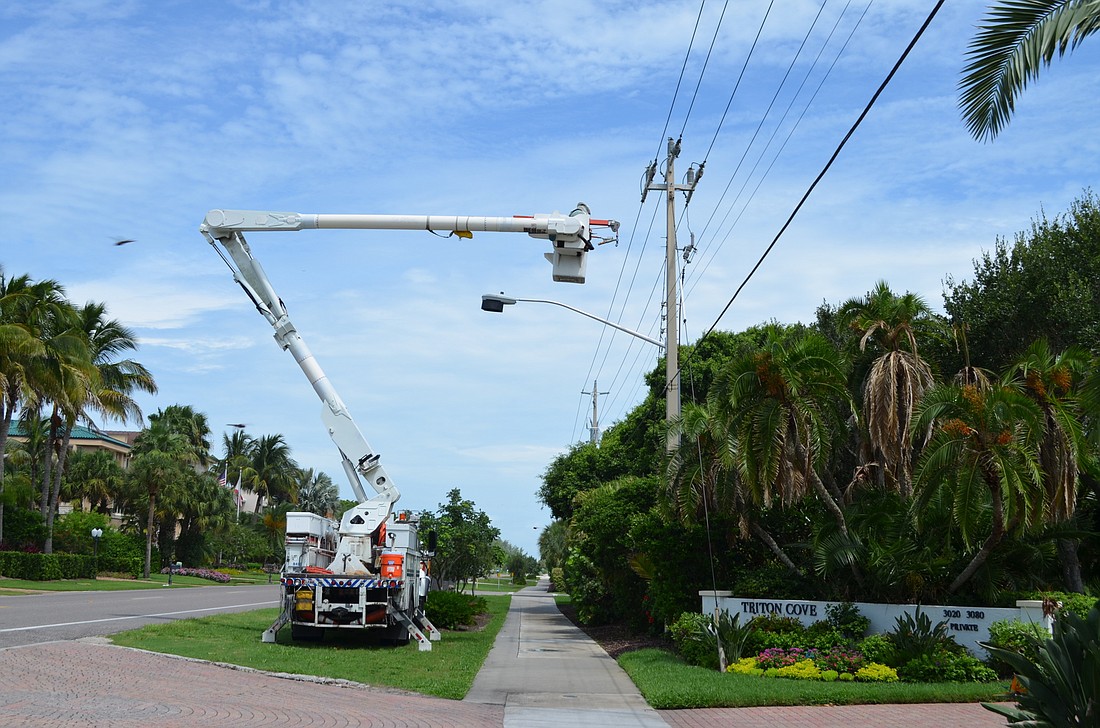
(672, 311)
(594, 428)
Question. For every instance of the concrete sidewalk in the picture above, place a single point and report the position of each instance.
(546, 672)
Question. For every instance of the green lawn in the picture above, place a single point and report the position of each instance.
(153, 582)
(668, 682)
(447, 671)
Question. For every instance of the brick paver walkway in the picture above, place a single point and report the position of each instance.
(85, 684)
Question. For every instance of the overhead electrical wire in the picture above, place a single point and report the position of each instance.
(823, 172)
(712, 251)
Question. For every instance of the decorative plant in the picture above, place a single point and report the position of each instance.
(914, 636)
(1063, 683)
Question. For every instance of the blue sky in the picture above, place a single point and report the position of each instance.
(132, 119)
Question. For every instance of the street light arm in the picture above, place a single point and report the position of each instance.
(496, 303)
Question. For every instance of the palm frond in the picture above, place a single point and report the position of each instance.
(1018, 37)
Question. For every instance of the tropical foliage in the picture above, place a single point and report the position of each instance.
(886, 453)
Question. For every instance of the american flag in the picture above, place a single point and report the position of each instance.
(222, 479)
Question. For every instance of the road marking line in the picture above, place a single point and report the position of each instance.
(135, 616)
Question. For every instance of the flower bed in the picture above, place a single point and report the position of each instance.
(200, 573)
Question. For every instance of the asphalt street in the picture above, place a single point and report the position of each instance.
(28, 619)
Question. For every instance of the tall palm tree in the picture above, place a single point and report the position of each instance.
(316, 492)
(1016, 40)
(192, 425)
(984, 459)
(897, 379)
(106, 390)
(1051, 380)
(161, 459)
(272, 471)
(18, 345)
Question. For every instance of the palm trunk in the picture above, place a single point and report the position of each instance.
(780, 554)
(994, 538)
(7, 413)
(149, 535)
(55, 492)
(1071, 565)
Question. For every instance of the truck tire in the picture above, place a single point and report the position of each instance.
(303, 633)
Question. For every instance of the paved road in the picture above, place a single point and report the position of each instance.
(49, 616)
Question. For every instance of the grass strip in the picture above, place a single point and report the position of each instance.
(154, 581)
(667, 682)
(447, 671)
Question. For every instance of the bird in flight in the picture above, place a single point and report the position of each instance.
(123, 242)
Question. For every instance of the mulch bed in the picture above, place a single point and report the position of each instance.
(615, 639)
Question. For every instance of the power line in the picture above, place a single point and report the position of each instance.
(828, 165)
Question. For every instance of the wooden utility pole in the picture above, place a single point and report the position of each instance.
(672, 311)
(594, 425)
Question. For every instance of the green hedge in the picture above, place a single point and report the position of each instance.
(47, 567)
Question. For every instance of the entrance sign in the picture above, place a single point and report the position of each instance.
(968, 625)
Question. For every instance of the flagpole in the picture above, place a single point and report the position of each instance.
(237, 493)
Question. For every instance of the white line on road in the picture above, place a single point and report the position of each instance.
(135, 616)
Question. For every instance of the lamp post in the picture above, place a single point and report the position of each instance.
(495, 303)
(96, 534)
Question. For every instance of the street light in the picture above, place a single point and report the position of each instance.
(96, 534)
(495, 303)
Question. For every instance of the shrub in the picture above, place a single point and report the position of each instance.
(802, 670)
(915, 636)
(449, 610)
(946, 666)
(33, 567)
(846, 618)
(877, 648)
(745, 666)
(780, 657)
(774, 631)
(822, 635)
(846, 677)
(557, 579)
(876, 672)
(731, 634)
(1020, 637)
(829, 675)
(694, 641)
(840, 658)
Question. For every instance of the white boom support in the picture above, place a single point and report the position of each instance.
(570, 239)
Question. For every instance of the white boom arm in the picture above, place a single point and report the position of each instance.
(570, 239)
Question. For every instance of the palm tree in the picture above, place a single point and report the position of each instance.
(784, 405)
(984, 460)
(106, 388)
(192, 425)
(896, 380)
(95, 477)
(1050, 380)
(1018, 37)
(272, 470)
(316, 492)
(162, 458)
(703, 474)
(18, 345)
(149, 472)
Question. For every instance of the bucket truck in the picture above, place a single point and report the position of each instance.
(368, 571)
